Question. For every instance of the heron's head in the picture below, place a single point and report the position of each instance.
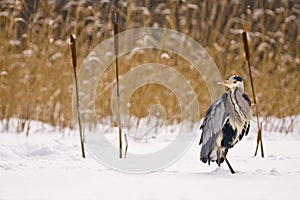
(234, 82)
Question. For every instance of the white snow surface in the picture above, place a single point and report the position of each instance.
(48, 165)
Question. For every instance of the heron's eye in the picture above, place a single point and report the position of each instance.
(234, 81)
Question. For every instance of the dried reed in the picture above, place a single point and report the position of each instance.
(33, 45)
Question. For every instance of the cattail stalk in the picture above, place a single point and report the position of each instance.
(259, 124)
(116, 49)
(74, 61)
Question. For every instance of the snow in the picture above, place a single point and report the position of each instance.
(48, 165)
(165, 56)
(3, 73)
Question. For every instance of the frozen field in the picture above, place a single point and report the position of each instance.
(46, 165)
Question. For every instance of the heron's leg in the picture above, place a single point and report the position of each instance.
(230, 168)
(218, 157)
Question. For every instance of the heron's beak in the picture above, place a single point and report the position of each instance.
(226, 83)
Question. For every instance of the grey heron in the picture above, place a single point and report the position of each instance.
(225, 123)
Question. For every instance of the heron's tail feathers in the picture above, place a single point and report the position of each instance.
(212, 157)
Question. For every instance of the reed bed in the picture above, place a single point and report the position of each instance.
(35, 64)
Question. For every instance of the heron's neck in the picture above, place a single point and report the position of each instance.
(239, 107)
(238, 91)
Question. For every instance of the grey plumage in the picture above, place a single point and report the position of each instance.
(225, 122)
(212, 124)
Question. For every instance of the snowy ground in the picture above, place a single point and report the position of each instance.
(46, 165)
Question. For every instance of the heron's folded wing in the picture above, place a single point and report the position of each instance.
(213, 122)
